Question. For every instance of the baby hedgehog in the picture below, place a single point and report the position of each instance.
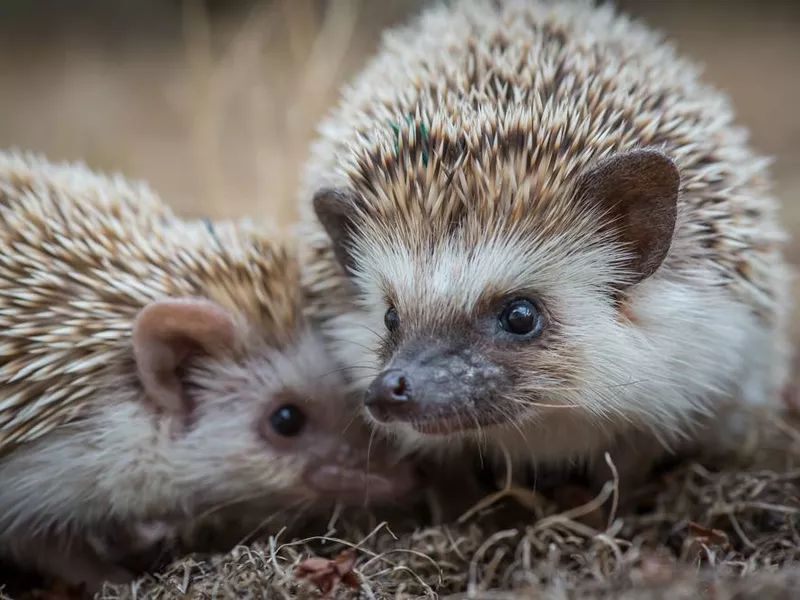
(557, 242)
(153, 369)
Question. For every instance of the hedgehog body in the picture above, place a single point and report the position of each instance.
(547, 235)
(151, 368)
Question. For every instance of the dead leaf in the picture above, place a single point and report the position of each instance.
(701, 539)
(716, 537)
(327, 573)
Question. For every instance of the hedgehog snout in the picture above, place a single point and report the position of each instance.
(434, 383)
(389, 393)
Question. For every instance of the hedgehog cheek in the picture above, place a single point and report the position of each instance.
(636, 195)
(167, 333)
(336, 210)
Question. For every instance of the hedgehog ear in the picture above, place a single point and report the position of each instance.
(637, 191)
(167, 333)
(336, 209)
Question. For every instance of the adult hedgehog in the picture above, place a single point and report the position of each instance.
(556, 240)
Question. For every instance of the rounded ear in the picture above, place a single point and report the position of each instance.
(166, 333)
(637, 193)
(336, 209)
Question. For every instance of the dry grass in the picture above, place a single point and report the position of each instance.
(729, 529)
(217, 114)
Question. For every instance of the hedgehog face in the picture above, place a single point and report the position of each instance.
(475, 335)
(252, 420)
(492, 319)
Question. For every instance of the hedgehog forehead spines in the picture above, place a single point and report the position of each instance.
(539, 204)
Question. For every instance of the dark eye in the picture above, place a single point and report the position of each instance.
(391, 319)
(520, 317)
(288, 420)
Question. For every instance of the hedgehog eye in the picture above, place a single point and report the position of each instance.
(288, 420)
(391, 319)
(521, 317)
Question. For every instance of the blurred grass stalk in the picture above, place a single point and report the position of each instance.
(282, 67)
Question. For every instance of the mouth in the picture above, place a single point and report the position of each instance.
(439, 423)
(363, 485)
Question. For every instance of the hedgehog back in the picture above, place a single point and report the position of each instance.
(80, 254)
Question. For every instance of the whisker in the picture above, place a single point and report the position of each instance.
(355, 343)
(346, 368)
(228, 503)
(479, 433)
(286, 510)
(369, 454)
(370, 329)
(533, 403)
(362, 378)
(353, 420)
(515, 424)
(584, 388)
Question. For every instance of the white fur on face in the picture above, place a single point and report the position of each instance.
(456, 275)
(688, 344)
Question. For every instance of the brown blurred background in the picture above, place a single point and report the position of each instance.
(214, 102)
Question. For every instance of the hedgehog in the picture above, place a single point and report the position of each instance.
(545, 240)
(154, 370)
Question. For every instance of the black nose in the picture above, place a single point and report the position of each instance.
(390, 388)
